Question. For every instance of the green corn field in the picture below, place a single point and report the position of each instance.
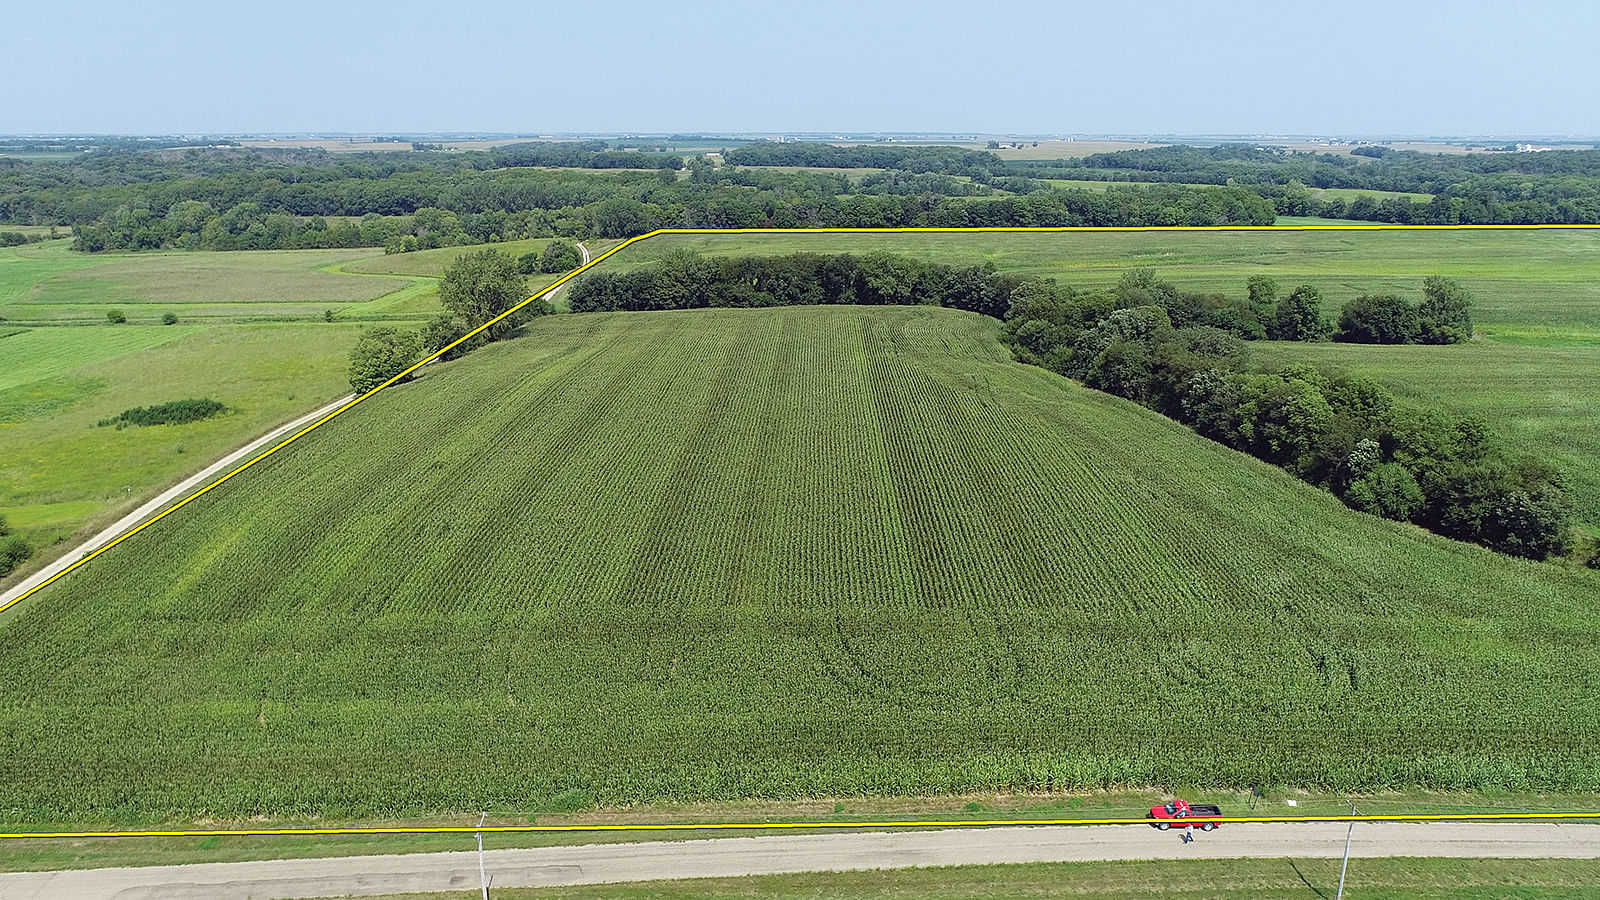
(775, 553)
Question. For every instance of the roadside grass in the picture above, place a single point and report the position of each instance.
(1253, 879)
(33, 855)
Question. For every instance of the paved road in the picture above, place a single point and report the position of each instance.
(172, 494)
(603, 863)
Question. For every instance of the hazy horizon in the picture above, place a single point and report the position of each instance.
(1410, 70)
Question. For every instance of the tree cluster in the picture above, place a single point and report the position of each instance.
(14, 551)
(1443, 317)
(558, 256)
(477, 289)
(1344, 433)
(686, 280)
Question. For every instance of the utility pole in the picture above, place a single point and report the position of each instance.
(483, 878)
(1342, 869)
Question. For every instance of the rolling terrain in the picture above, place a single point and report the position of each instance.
(791, 552)
(1530, 373)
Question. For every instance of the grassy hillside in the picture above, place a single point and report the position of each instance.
(1538, 283)
(1531, 375)
(775, 553)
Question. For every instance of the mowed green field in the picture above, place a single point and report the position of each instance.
(50, 284)
(1531, 374)
(61, 474)
(776, 553)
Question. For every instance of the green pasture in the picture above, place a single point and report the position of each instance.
(432, 263)
(712, 554)
(49, 284)
(1348, 194)
(43, 231)
(60, 474)
(1540, 282)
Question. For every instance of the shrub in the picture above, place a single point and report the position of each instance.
(116, 317)
(14, 551)
(380, 354)
(1378, 319)
(1387, 490)
(559, 256)
(1298, 317)
(169, 318)
(1445, 315)
(176, 412)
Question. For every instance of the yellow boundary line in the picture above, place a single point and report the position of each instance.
(467, 829)
(717, 231)
(787, 826)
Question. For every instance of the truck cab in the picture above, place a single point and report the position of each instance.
(1184, 814)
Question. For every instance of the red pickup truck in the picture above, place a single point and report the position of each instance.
(1182, 814)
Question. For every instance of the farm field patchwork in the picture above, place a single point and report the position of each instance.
(774, 553)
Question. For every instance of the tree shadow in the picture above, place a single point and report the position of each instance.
(1306, 881)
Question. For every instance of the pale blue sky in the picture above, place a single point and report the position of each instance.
(1517, 67)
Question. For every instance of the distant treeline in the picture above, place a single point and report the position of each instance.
(1555, 187)
(241, 200)
(1183, 354)
(271, 199)
(940, 160)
